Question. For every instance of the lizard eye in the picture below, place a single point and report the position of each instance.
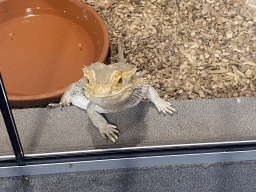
(120, 80)
(86, 80)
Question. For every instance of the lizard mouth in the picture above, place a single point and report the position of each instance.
(116, 93)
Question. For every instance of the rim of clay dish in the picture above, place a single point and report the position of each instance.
(42, 99)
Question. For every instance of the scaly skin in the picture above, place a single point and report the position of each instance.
(76, 95)
(110, 88)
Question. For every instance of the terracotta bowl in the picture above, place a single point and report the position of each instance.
(44, 44)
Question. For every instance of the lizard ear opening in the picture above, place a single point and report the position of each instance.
(129, 74)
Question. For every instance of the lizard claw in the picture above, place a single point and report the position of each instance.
(165, 106)
(53, 105)
(109, 131)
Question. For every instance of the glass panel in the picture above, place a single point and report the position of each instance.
(45, 130)
(199, 55)
(5, 143)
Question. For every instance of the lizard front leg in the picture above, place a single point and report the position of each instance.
(65, 99)
(161, 105)
(100, 122)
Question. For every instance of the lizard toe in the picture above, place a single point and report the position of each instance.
(110, 131)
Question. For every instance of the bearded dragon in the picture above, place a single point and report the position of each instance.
(110, 88)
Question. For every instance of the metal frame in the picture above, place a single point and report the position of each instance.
(122, 163)
(10, 124)
(46, 163)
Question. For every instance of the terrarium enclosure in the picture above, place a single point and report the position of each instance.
(199, 55)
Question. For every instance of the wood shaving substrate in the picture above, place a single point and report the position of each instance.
(187, 49)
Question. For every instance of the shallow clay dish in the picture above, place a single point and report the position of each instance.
(44, 45)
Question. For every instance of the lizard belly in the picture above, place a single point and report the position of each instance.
(82, 102)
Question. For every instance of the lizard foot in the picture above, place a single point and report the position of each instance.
(164, 106)
(109, 131)
(58, 104)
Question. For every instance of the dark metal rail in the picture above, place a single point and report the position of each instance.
(10, 124)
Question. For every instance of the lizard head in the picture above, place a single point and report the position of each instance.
(107, 85)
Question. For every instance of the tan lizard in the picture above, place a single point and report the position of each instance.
(110, 88)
